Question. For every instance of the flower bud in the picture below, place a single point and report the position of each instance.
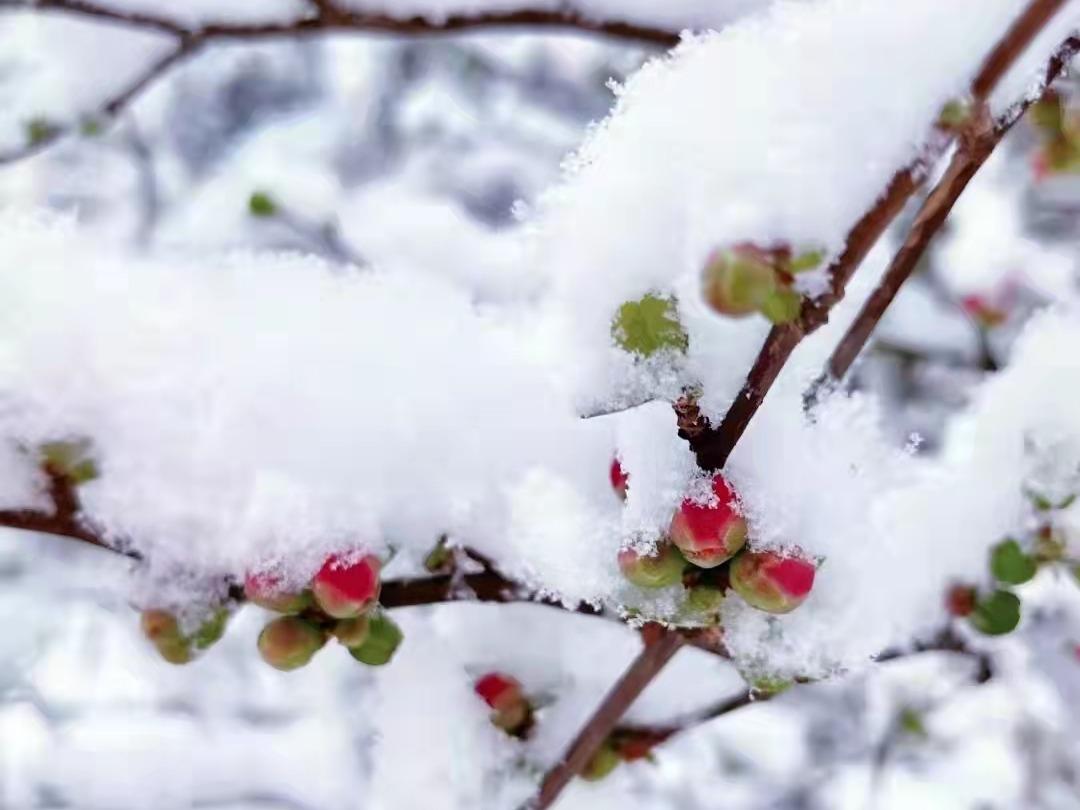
(344, 590)
(708, 535)
(738, 280)
(658, 570)
(290, 642)
(772, 582)
(511, 710)
(619, 479)
(384, 637)
(267, 591)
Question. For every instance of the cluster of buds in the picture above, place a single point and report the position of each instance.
(340, 602)
(1058, 126)
(746, 278)
(706, 551)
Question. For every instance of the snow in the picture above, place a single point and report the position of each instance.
(263, 408)
(253, 410)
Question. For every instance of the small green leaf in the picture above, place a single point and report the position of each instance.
(783, 306)
(648, 326)
(809, 260)
(211, 630)
(439, 558)
(91, 127)
(997, 614)
(40, 130)
(72, 459)
(955, 114)
(1046, 113)
(912, 723)
(1009, 564)
(262, 205)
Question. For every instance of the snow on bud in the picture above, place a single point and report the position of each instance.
(352, 632)
(658, 570)
(619, 479)
(772, 582)
(344, 590)
(266, 591)
(290, 642)
(737, 281)
(510, 708)
(711, 534)
(384, 637)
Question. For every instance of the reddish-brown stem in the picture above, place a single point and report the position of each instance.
(974, 151)
(633, 682)
(713, 446)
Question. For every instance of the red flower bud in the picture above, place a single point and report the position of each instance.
(345, 590)
(772, 582)
(709, 535)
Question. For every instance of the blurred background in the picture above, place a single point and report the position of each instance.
(369, 149)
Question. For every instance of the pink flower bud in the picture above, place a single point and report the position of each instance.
(772, 582)
(709, 535)
(511, 710)
(345, 590)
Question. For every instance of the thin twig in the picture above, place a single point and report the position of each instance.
(714, 445)
(327, 19)
(640, 674)
(974, 151)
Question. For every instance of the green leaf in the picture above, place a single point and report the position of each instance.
(782, 306)
(648, 326)
(807, 261)
(211, 630)
(912, 723)
(41, 130)
(262, 205)
(71, 459)
(1009, 564)
(997, 614)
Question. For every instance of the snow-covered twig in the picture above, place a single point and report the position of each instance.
(714, 445)
(969, 158)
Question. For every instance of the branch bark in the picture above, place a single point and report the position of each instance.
(974, 151)
(637, 677)
(328, 17)
(713, 446)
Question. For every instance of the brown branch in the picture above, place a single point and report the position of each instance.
(328, 18)
(113, 106)
(974, 151)
(714, 445)
(640, 674)
(62, 521)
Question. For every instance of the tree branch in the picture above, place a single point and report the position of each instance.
(641, 673)
(328, 18)
(975, 149)
(713, 446)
